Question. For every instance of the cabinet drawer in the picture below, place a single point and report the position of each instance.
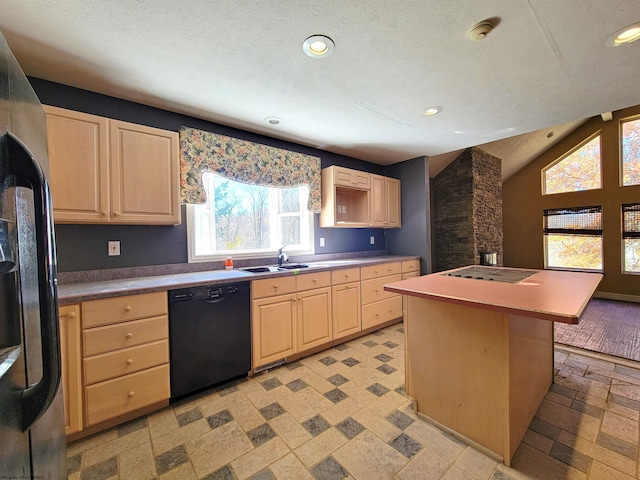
(345, 275)
(380, 312)
(351, 178)
(308, 281)
(410, 266)
(121, 395)
(122, 309)
(273, 286)
(124, 362)
(380, 270)
(114, 337)
(410, 275)
(373, 290)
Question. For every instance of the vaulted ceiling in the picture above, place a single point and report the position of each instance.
(544, 67)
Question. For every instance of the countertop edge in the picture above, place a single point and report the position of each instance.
(80, 292)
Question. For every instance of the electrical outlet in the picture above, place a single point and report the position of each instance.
(372, 240)
(114, 248)
(322, 241)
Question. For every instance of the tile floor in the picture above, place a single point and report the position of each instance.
(343, 413)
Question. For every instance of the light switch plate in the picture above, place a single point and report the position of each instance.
(114, 248)
(322, 241)
(372, 240)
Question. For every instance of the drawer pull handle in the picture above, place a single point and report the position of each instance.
(72, 315)
(129, 361)
(377, 290)
(129, 335)
(103, 213)
(346, 275)
(375, 271)
(127, 308)
(131, 394)
(315, 280)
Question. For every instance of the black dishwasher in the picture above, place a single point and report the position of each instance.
(209, 335)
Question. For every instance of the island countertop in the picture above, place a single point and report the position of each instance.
(558, 296)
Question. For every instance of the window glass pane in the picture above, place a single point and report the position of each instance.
(578, 171)
(631, 152)
(289, 200)
(249, 219)
(632, 255)
(290, 230)
(573, 251)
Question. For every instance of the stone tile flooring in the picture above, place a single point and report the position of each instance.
(343, 413)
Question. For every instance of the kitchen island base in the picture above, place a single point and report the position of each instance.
(478, 374)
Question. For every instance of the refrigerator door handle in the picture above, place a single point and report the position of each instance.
(27, 173)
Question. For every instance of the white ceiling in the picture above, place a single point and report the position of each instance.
(236, 62)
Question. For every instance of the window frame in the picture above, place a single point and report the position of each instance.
(633, 118)
(564, 156)
(584, 232)
(306, 234)
(625, 236)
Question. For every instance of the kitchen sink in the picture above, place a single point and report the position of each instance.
(260, 269)
(275, 268)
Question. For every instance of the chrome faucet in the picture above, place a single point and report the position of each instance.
(282, 257)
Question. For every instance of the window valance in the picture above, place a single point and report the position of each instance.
(245, 162)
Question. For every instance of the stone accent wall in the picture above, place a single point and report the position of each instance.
(467, 210)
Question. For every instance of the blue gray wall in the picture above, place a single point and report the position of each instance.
(84, 247)
(414, 238)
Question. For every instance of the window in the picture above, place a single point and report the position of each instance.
(631, 237)
(631, 152)
(573, 238)
(248, 221)
(577, 171)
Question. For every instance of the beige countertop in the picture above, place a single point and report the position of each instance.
(546, 294)
(78, 292)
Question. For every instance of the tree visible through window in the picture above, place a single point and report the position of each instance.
(573, 238)
(579, 170)
(631, 152)
(248, 220)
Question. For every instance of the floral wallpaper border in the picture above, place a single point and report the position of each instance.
(245, 162)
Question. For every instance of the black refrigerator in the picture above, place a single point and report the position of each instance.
(32, 437)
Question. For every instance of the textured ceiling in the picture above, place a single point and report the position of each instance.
(237, 62)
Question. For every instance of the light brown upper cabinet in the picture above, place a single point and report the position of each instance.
(385, 202)
(353, 199)
(108, 171)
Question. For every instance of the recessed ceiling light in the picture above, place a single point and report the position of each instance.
(318, 46)
(273, 120)
(624, 35)
(429, 111)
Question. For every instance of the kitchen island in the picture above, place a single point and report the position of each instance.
(479, 347)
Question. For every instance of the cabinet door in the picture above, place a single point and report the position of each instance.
(314, 318)
(144, 174)
(71, 359)
(392, 199)
(346, 309)
(273, 328)
(351, 178)
(78, 148)
(378, 201)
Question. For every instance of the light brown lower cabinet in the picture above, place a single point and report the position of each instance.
(346, 309)
(378, 305)
(299, 320)
(125, 355)
(71, 359)
(273, 321)
(314, 318)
